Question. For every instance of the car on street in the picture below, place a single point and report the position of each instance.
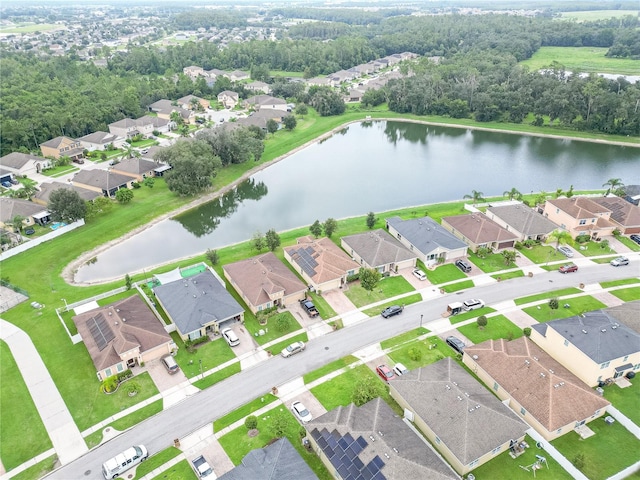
(618, 262)
(385, 373)
(568, 268)
(566, 251)
(295, 347)
(419, 274)
(230, 337)
(635, 238)
(391, 311)
(472, 304)
(455, 343)
(463, 265)
(301, 412)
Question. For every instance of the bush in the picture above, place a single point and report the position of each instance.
(527, 331)
(482, 321)
(122, 376)
(353, 278)
(283, 323)
(582, 238)
(110, 384)
(554, 303)
(251, 422)
(415, 354)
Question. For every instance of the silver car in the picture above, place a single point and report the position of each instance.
(566, 251)
(301, 412)
(618, 262)
(292, 349)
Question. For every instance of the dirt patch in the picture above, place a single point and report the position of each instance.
(254, 432)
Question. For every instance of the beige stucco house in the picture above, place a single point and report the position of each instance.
(477, 230)
(23, 164)
(525, 222)
(138, 168)
(625, 215)
(580, 215)
(377, 249)
(228, 98)
(62, 147)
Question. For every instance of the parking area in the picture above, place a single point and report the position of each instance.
(415, 282)
(339, 301)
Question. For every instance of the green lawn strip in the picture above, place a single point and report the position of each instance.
(117, 297)
(583, 59)
(415, 298)
(625, 399)
(593, 249)
(610, 450)
(155, 461)
(387, 288)
(629, 243)
(237, 443)
(497, 327)
(577, 306)
(493, 262)
(409, 336)
(244, 411)
(38, 470)
(627, 294)
(603, 260)
(180, 471)
(212, 354)
(503, 466)
(472, 314)
(456, 287)
(617, 283)
(328, 368)
(322, 305)
(218, 376)
(542, 254)
(276, 348)
(444, 274)
(508, 275)
(273, 329)
(421, 352)
(18, 410)
(59, 171)
(543, 296)
(123, 423)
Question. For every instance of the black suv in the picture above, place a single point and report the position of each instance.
(391, 311)
(463, 265)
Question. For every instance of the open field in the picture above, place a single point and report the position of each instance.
(592, 15)
(582, 59)
(29, 28)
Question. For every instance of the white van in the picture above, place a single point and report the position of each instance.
(122, 462)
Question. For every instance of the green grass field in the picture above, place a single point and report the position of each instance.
(244, 411)
(386, 288)
(497, 327)
(29, 28)
(592, 15)
(582, 59)
(577, 305)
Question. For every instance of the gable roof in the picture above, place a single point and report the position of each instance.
(548, 391)
(466, 416)
(523, 219)
(101, 138)
(627, 313)
(18, 160)
(56, 142)
(228, 93)
(426, 234)
(102, 179)
(278, 461)
(321, 259)
(259, 277)
(479, 228)
(597, 334)
(578, 207)
(623, 212)
(166, 107)
(10, 207)
(135, 165)
(265, 100)
(197, 301)
(378, 248)
(187, 99)
(46, 189)
(380, 437)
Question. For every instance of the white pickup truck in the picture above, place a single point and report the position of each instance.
(202, 468)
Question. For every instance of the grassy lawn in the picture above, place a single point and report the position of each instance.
(577, 305)
(583, 59)
(633, 246)
(276, 348)
(456, 287)
(59, 171)
(38, 470)
(503, 466)
(155, 461)
(218, 376)
(14, 392)
(328, 368)
(403, 338)
(212, 354)
(602, 261)
(494, 262)
(611, 449)
(387, 288)
(625, 399)
(544, 296)
(542, 254)
(322, 305)
(508, 275)
(594, 249)
(272, 329)
(244, 411)
(444, 274)
(617, 283)
(180, 471)
(123, 423)
(497, 327)
(415, 298)
(30, 28)
(627, 294)
(423, 352)
(472, 314)
(237, 443)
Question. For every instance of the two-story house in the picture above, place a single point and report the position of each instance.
(62, 147)
(580, 216)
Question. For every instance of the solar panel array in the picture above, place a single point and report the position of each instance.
(100, 331)
(306, 261)
(343, 450)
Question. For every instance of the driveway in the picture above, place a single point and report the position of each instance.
(339, 301)
(407, 273)
(247, 343)
(164, 380)
(308, 400)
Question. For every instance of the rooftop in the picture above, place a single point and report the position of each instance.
(425, 234)
(378, 248)
(523, 219)
(479, 228)
(321, 259)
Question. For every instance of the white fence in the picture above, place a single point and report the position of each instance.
(37, 241)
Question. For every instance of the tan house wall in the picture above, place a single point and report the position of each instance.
(156, 353)
(293, 298)
(137, 177)
(567, 222)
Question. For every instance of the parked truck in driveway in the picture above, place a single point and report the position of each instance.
(309, 307)
(202, 468)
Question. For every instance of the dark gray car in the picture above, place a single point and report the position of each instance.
(455, 343)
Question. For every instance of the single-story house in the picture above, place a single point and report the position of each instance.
(100, 141)
(228, 98)
(42, 197)
(373, 442)
(594, 347)
(463, 420)
(478, 230)
(523, 221)
(319, 81)
(355, 95)
(62, 147)
(237, 75)
(23, 164)
(138, 168)
(102, 181)
(188, 102)
(535, 386)
(377, 249)
(580, 216)
(321, 263)
(197, 305)
(625, 215)
(258, 87)
(632, 194)
(263, 102)
(122, 335)
(264, 282)
(30, 212)
(427, 238)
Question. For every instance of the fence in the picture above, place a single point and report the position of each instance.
(37, 241)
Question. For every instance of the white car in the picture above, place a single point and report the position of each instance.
(301, 412)
(566, 251)
(419, 274)
(292, 349)
(400, 369)
(472, 304)
(231, 337)
(617, 262)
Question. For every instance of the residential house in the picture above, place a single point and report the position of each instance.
(197, 305)
(191, 102)
(125, 128)
(427, 238)
(138, 168)
(62, 147)
(258, 87)
(228, 98)
(340, 77)
(377, 249)
(632, 194)
(31, 213)
(625, 215)
(23, 164)
(535, 386)
(148, 124)
(43, 196)
(264, 282)
(580, 216)
(319, 81)
(477, 230)
(463, 420)
(263, 102)
(238, 75)
(215, 73)
(261, 117)
(100, 141)
(321, 263)
(193, 71)
(372, 441)
(354, 95)
(278, 460)
(164, 109)
(594, 346)
(521, 220)
(102, 181)
(122, 335)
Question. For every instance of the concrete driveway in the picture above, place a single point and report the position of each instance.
(247, 343)
(308, 400)
(164, 380)
(339, 301)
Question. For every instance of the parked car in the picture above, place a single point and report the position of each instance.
(144, 150)
(569, 267)
(295, 347)
(78, 160)
(122, 462)
(301, 412)
(566, 251)
(6, 184)
(14, 181)
(201, 467)
(230, 337)
(635, 238)
(455, 343)
(170, 364)
(391, 311)
(309, 307)
(400, 369)
(419, 274)
(618, 262)
(463, 265)
(385, 373)
(472, 304)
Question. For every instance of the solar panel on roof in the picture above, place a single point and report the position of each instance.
(315, 434)
(100, 331)
(362, 442)
(342, 470)
(343, 443)
(306, 261)
(353, 470)
(377, 461)
(379, 476)
(358, 463)
(322, 443)
(366, 474)
(348, 438)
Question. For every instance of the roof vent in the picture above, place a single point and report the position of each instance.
(466, 393)
(115, 323)
(459, 398)
(527, 362)
(194, 295)
(475, 357)
(117, 309)
(542, 374)
(535, 358)
(584, 331)
(380, 433)
(395, 450)
(447, 387)
(551, 371)
(604, 330)
(124, 320)
(109, 313)
(561, 383)
(613, 327)
(371, 438)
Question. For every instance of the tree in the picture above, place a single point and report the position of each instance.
(124, 195)
(127, 282)
(569, 193)
(366, 389)
(283, 323)
(98, 206)
(212, 256)
(561, 237)
(330, 226)
(316, 229)
(66, 206)
(482, 252)
(16, 222)
(371, 220)
(554, 303)
(301, 109)
(612, 185)
(369, 278)
(258, 241)
(193, 166)
(129, 152)
(272, 126)
(149, 182)
(280, 424)
(251, 422)
(541, 198)
(509, 256)
(290, 122)
(476, 196)
(512, 194)
(481, 321)
(272, 239)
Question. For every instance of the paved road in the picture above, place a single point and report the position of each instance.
(158, 432)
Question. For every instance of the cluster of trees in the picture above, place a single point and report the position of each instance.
(329, 227)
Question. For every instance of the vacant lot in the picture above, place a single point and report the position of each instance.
(582, 59)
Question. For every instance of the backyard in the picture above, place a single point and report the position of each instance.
(625, 399)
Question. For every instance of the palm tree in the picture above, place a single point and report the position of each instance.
(541, 198)
(558, 193)
(475, 196)
(613, 184)
(513, 193)
(129, 152)
(561, 236)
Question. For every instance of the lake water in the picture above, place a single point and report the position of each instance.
(373, 166)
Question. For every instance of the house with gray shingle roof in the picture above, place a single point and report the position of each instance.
(595, 346)
(377, 249)
(29, 211)
(46, 189)
(521, 220)
(464, 421)
(102, 181)
(198, 305)
(62, 147)
(24, 164)
(138, 168)
(427, 238)
(477, 230)
(264, 102)
(101, 140)
(372, 441)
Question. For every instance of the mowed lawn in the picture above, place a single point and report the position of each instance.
(386, 288)
(497, 327)
(625, 399)
(576, 306)
(583, 59)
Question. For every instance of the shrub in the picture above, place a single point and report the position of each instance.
(122, 376)
(582, 238)
(509, 336)
(518, 245)
(415, 354)
(212, 256)
(283, 323)
(554, 303)
(353, 278)
(251, 422)
(530, 243)
(110, 384)
(526, 331)
(482, 321)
